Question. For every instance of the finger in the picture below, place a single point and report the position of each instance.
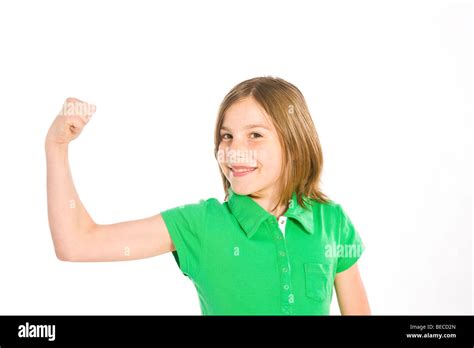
(85, 118)
(73, 106)
(75, 121)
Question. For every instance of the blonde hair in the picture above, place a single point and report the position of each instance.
(287, 108)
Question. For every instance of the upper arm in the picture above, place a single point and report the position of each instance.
(187, 228)
(349, 242)
(350, 292)
(129, 240)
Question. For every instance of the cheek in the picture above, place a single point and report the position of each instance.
(221, 153)
(270, 159)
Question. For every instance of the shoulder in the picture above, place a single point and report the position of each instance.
(325, 209)
(205, 207)
(210, 204)
(197, 208)
(330, 216)
(201, 204)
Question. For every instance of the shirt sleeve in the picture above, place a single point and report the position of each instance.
(186, 226)
(350, 246)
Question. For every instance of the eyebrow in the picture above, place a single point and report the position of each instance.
(249, 127)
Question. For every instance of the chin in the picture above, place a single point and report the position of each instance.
(240, 191)
(243, 190)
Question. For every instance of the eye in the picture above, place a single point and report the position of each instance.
(256, 135)
(224, 136)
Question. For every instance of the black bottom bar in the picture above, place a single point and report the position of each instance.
(73, 331)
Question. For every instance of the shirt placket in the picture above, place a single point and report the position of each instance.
(287, 296)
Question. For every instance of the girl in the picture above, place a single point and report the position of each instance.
(275, 246)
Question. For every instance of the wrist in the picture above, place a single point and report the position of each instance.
(55, 147)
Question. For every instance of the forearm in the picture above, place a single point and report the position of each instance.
(68, 219)
(351, 294)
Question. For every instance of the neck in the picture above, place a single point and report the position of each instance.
(268, 202)
(279, 211)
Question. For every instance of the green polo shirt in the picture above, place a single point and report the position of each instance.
(243, 261)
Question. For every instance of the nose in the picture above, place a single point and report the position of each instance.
(237, 143)
(238, 152)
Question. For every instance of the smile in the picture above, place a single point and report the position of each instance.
(238, 171)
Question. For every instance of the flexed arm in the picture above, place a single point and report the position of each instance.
(75, 235)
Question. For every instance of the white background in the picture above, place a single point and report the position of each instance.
(389, 86)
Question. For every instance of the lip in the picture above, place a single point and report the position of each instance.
(239, 171)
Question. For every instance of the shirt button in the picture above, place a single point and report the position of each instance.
(282, 253)
(284, 269)
(286, 286)
(291, 298)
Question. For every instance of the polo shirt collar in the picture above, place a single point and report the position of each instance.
(250, 214)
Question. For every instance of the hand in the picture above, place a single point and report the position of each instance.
(72, 118)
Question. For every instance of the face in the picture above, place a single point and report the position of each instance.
(250, 151)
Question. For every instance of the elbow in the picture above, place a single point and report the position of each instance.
(61, 249)
(67, 253)
(63, 255)
(69, 247)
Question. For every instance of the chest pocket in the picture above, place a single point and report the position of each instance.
(319, 280)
